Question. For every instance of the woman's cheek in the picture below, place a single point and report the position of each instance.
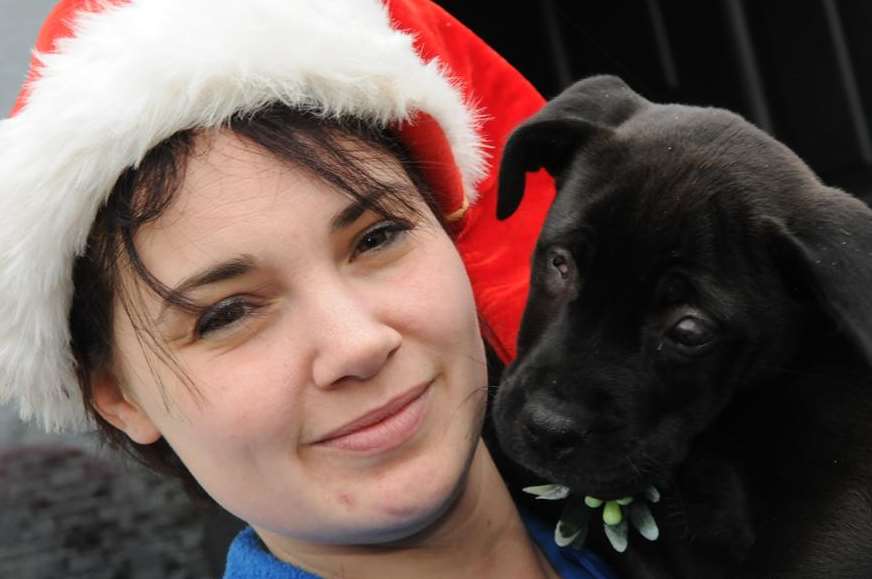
(438, 293)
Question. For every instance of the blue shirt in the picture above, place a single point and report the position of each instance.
(249, 559)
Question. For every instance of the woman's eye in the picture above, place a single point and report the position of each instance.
(221, 315)
(380, 236)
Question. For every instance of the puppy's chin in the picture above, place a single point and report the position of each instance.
(610, 475)
(623, 485)
(607, 483)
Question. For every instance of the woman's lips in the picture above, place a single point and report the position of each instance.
(385, 427)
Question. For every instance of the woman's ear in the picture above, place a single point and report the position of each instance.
(120, 410)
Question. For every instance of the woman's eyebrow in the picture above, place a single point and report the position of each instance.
(348, 216)
(221, 271)
(359, 206)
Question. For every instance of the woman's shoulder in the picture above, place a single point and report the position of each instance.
(569, 562)
(248, 558)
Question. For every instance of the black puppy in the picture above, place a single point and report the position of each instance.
(700, 319)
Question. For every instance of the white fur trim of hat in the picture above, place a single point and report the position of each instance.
(132, 74)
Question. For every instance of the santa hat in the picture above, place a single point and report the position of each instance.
(111, 79)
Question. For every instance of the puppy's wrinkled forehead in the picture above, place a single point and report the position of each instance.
(670, 179)
(638, 181)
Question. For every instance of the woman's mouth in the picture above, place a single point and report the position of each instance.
(385, 427)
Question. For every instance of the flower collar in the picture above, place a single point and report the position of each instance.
(572, 528)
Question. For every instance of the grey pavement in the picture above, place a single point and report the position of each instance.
(69, 507)
(69, 513)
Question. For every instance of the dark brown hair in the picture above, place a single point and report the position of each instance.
(304, 140)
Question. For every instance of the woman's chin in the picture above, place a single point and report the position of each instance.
(406, 513)
(400, 531)
(419, 512)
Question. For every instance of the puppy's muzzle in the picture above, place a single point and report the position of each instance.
(549, 431)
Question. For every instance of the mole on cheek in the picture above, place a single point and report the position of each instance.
(346, 500)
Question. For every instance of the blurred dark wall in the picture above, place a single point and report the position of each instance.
(800, 69)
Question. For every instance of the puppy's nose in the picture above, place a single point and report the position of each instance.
(550, 430)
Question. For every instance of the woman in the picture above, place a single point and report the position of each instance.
(234, 249)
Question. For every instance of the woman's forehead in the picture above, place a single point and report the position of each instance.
(225, 168)
(224, 164)
(233, 194)
(238, 198)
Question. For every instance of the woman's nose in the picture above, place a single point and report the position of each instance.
(354, 341)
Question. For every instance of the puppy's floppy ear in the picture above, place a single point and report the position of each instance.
(548, 143)
(829, 242)
(550, 138)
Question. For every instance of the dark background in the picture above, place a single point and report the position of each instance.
(799, 69)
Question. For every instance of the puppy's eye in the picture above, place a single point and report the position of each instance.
(559, 263)
(560, 274)
(692, 332)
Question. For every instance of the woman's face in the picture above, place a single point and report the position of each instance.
(336, 356)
